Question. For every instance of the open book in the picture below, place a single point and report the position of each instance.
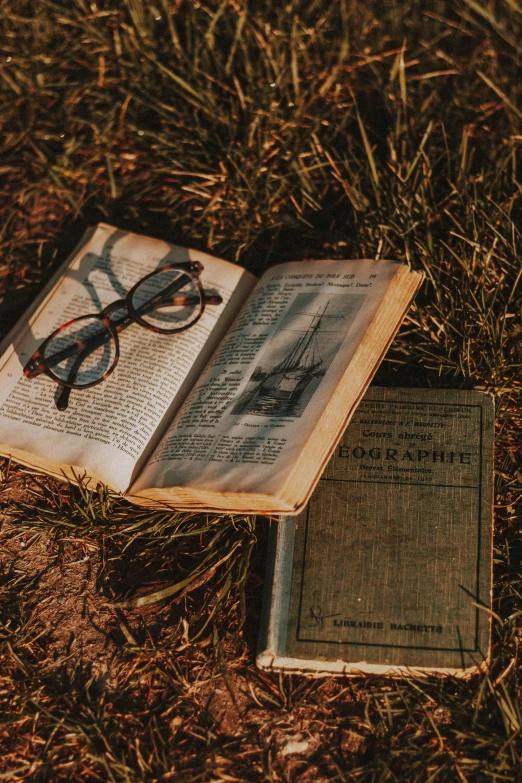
(240, 412)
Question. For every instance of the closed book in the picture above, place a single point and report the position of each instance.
(388, 570)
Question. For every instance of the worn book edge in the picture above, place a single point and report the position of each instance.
(270, 662)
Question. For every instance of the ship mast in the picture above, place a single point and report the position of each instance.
(304, 353)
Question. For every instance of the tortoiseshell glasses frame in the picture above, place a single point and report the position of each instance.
(135, 310)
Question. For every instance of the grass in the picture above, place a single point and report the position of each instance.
(261, 132)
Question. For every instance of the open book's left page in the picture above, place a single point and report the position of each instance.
(108, 430)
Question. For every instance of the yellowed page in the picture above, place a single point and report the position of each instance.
(108, 430)
(255, 406)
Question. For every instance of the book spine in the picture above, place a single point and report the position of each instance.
(276, 595)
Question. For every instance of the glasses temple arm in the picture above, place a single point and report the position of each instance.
(62, 401)
(170, 289)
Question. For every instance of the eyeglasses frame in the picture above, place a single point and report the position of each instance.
(37, 364)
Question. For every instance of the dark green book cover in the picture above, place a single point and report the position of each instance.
(388, 569)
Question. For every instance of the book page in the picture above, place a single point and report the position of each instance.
(256, 405)
(107, 430)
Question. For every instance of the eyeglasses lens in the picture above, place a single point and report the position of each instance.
(169, 300)
(81, 353)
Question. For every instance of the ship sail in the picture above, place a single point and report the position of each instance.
(293, 374)
(282, 389)
(303, 361)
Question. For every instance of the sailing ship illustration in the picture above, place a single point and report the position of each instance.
(281, 389)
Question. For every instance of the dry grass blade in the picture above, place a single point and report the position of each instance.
(502, 95)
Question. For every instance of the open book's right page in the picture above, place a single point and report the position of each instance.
(256, 405)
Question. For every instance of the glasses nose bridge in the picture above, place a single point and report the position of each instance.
(111, 308)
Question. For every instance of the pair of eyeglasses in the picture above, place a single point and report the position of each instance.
(84, 352)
